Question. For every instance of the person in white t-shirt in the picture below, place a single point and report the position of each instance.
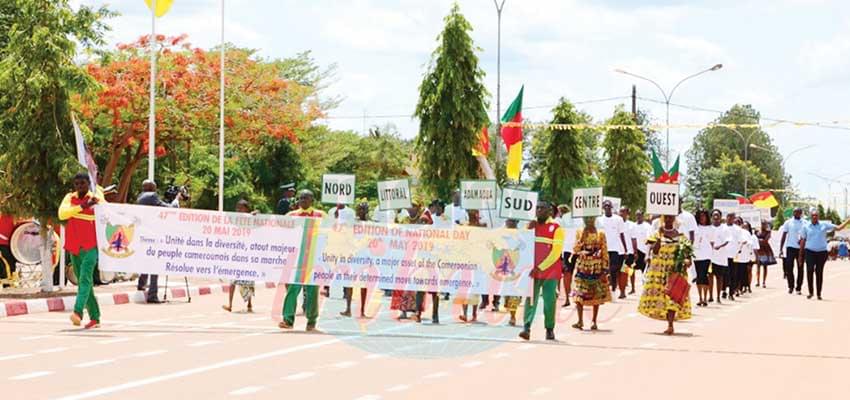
(614, 228)
(702, 254)
(687, 223)
(343, 213)
(720, 243)
(457, 214)
(737, 246)
(629, 258)
(571, 226)
(640, 233)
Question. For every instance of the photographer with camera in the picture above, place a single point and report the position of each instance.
(148, 197)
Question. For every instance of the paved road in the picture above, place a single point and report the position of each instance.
(767, 345)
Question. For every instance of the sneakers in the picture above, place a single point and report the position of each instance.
(76, 318)
(92, 324)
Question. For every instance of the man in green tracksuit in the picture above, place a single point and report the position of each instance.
(311, 292)
(548, 245)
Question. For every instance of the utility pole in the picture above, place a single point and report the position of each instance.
(634, 102)
(499, 8)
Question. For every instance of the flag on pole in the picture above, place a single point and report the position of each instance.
(741, 198)
(764, 200)
(162, 6)
(84, 156)
(673, 174)
(512, 136)
(482, 148)
(662, 176)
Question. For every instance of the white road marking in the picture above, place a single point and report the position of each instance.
(15, 356)
(111, 341)
(576, 376)
(246, 390)
(527, 346)
(500, 355)
(31, 375)
(299, 376)
(94, 363)
(626, 353)
(26, 338)
(149, 353)
(375, 356)
(369, 397)
(541, 391)
(648, 345)
(615, 320)
(632, 315)
(471, 364)
(709, 320)
(158, 334)
(53, 350)
(435, 375)
(799, 319)
(398, 388)
(604, 364)
(345, 364)
(259, 319)
(204, 343)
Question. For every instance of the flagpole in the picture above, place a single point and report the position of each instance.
(221, 120)
(152, 116)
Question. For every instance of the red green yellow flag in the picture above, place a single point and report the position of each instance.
(657, 169)
(482, 148)
(512, 136)
(162, 6)
(764, 200)
(673, 174)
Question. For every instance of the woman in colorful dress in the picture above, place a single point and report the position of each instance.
(591, 272)
(405, 300)
(765, 255)
(671, 254)
(512, 302)
(246, 288)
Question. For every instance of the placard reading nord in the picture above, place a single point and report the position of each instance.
(338, 189)
(394, 195)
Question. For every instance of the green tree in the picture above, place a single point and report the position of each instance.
(560, 159)
(452, 109)
(727, 176)
(713, 143)
(627, 167)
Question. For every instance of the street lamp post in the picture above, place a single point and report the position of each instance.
(499, 8)
(747, 145)
(829, 182)
(669, 96)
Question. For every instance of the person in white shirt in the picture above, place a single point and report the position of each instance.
(702, 254)
(457, 214)
(687, 223)
(740, 256)
(571, 226)
(639, 235)
(754, 247)
(720, 244)
(344, 214)
(629, 258)
(614, 228)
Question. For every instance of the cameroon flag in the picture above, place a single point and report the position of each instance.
(162, 6)
(764, 200)
(662, 176)
(483, 146)
(512, 135)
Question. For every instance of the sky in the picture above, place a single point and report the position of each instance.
(790, 59)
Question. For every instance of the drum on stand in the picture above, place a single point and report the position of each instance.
(26, 244)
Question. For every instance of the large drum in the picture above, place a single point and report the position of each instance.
(26, 244)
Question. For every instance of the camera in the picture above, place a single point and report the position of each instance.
(173, 190)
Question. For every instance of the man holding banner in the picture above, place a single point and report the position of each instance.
(311, 306)
(548, 245)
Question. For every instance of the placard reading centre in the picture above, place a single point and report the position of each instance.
(478, 195)
(518, 204)
(662, 198)
(587, 202)
(394, 195)
(338, 189)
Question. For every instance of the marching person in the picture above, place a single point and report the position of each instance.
(548, 243)
(813, 241)
(629, 258)
(571, 226)
(428, 217)
(8, 263)
(591, 272)
(733, 231)
(641, 233)
(742, 259)
(81, 243)
(702, 254)
(614, 228)
(285, 202)
(765, 257)
(720, 243)
(311, 306)
(148, 197)
(671, 254)
(792, 231)
(246, 287)
(512, 302)
(348, 292)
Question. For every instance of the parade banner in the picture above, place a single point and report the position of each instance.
(394, 195)
(208, 244)
(478, 195)
(518, 204)
(587, 202)
(463, 260)
(662, 198)
(338, 189)
(615, 203)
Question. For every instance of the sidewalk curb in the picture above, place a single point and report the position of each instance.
(54, 304)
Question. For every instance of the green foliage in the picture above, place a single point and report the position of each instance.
(627, 167)
(452, 109)
(561, 160)
(38, 44)
(727, 176)
(714, 143)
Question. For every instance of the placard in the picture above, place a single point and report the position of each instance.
(478, 195)
(394, 195)
(518, 204)
(338, 189)
(726, 205)
(752, 216)
(662, 198)
(587, 202)
(615, 203)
